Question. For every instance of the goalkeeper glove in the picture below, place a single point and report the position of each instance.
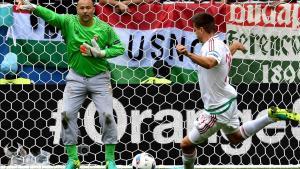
(94, 50)
(26, 5)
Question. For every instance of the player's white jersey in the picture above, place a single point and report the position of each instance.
(214, 86)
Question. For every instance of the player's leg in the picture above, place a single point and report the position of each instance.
(189, 152)
(101, 93)
(205, 126)
(74, 95)
(236, 133)
(249, 128)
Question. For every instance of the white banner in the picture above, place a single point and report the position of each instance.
(143, 47)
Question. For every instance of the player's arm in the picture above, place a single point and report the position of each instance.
(235, 46)
(115, 46)
(48, 15)
(111, 2)
(203, 61)
(134, 2)
(206, 62)
(126, 2)
(120, 7)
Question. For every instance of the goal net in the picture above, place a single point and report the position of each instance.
(152, 118)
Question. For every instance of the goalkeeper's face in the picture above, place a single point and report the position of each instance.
(85, 10)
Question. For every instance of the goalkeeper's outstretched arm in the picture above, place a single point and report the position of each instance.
(48, 15)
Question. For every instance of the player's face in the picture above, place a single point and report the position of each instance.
(198, 32)
(85, 10)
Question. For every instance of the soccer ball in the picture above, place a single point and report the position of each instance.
(143, 161)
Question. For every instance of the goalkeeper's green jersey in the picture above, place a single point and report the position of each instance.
(76, 34)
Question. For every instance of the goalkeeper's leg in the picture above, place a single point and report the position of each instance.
(102, 97)
(73, 97)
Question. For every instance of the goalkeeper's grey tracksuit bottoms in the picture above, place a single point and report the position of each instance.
(75, 93)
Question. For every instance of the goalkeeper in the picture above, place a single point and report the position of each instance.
(90, 42)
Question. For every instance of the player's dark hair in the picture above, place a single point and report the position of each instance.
(206, 21)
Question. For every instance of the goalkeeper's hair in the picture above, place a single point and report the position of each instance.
(206, 21)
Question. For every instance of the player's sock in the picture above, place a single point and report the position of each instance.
(110, 152)
(251, 127)
(189, 160)
(72, 152)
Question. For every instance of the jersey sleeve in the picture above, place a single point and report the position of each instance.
(54, 19)
(115, 46)
(215, 50)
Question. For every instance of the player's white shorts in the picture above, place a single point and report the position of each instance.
(207, 124)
